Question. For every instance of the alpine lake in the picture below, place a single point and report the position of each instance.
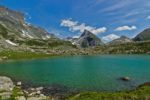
(84, 73)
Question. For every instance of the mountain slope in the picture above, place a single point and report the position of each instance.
(121, 40)
(88, 39)
(16, 27)
(143, 36)
(18, 35)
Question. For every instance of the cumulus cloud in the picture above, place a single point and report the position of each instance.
(109, 38)
(68, 23)
(124, 28)
(76, 26)
(148, 17)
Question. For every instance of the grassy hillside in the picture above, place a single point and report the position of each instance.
(127, 48)
(141, 93)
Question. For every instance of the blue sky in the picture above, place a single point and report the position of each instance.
(105, 18)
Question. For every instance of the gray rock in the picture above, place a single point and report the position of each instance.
(125, 78)
(39, 88)
(38, 98)
(6, 84)
(19, 83)
(20, 98)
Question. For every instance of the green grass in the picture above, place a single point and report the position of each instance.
(141, 93)
(23, 55)
(15, 93)
(127, 48)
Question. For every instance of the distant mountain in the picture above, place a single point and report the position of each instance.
(143, 36)
(121, 40)
(71, 39)
(87, 39)
(13, 25)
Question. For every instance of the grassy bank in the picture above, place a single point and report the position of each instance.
(9, 55)
(141, 93)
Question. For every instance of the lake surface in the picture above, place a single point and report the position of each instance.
(96, 73)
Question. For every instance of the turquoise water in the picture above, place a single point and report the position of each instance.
(82, 72)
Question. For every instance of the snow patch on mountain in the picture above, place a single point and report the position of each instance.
(11, 43)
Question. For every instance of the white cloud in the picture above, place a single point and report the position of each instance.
(75, 26)
(109, 38)
(148, 17)
(68, 23)
(77, 36)
(124, 28)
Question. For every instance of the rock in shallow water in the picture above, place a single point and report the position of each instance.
(19, 83)
(125, 78)
(6, 84)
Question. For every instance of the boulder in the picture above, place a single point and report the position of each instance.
(39, 89)
(19, 83)
(125, 78)
(4, 57)
(6, 84)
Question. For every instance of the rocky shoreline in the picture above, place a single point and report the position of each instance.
(10, 90)
(16, 90)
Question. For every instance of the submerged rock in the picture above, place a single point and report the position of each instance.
(6, 84)
(125, 78)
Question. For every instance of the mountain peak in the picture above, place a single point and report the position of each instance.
(88, 39)
(86, 32)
